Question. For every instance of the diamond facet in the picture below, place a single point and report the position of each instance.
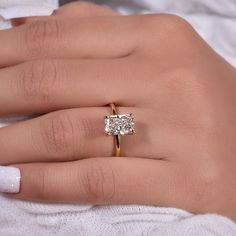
(119, 124)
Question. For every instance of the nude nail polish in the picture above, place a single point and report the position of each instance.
(9, 179)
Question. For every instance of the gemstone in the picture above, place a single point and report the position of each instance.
(119, 124)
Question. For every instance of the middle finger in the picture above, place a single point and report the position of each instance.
(44, 86)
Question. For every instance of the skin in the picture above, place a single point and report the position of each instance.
(68, 67)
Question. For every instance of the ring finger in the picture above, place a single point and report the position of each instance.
(76, 134)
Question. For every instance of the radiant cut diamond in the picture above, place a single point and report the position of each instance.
(119, 124)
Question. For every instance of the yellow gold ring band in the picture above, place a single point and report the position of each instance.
(117, 137)
(118, 125)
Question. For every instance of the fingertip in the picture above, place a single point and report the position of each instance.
(25, 20)
(18, 21)
(10, 178)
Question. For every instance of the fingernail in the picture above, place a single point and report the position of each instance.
(9, 179)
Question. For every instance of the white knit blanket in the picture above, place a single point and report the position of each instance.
(215, 21)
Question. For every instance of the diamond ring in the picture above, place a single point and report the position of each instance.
(118, 125)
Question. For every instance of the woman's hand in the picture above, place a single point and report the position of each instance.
(182, 94)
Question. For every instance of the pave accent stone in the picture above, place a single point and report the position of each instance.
(119, 124)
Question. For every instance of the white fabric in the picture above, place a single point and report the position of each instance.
(13, 8)
(215, 21)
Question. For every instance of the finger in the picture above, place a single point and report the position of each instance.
(43, 86)
(91, 37)
(71, 10)
(106, 181)
(84, 9)
(77, 134)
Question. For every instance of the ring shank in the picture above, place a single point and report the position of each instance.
(117, 137)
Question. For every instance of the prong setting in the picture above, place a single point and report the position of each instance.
(119, 124)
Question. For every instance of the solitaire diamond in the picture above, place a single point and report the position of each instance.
(119, 124)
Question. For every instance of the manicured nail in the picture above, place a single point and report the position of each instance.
(9, 179)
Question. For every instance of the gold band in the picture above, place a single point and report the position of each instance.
(117, 137)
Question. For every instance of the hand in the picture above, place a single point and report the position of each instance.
(182, 94)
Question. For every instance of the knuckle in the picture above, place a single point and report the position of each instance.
(191, 84)
(39, 35)
(167, 25)
(99, 182)
(40, 183)
(84, 6)
(57, 133)
(85, 127)
(174, 23)
(37, 79)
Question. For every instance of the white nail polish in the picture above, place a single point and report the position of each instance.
(9, 179)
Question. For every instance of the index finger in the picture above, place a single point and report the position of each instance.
(94, 37)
